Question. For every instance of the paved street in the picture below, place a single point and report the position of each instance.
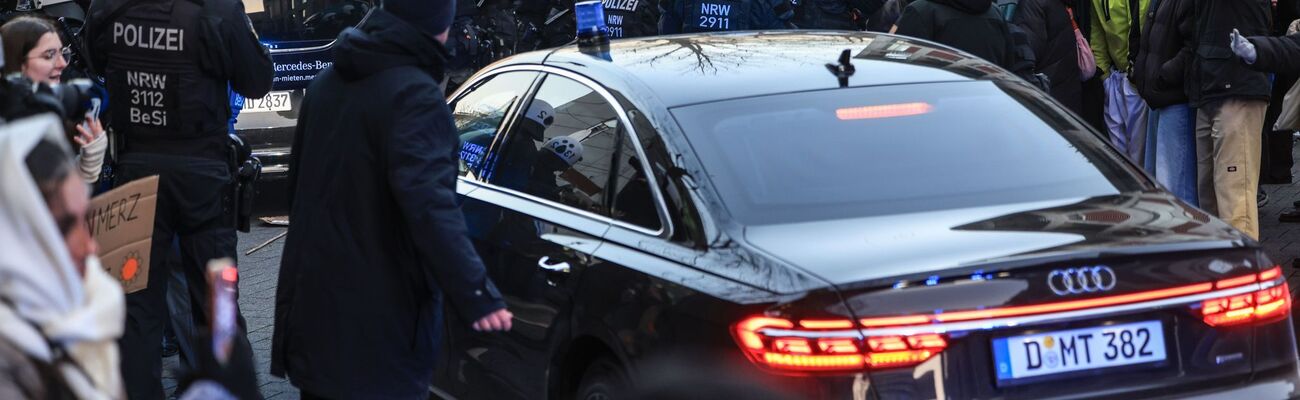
(258, 273)
(1282, 240)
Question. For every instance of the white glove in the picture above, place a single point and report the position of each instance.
(1242, 47)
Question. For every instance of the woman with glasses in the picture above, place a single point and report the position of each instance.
(33, 48)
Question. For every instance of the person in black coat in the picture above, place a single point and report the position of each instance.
(1276, 163)
(378, 239)
(1164, 53)
(972, 26)
(1231, 101)
(1051, 36)
(1158, 73)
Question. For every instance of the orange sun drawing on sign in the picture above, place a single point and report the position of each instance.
(130, 267)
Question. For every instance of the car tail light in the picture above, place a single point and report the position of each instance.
(777, 344)
(1266, 305)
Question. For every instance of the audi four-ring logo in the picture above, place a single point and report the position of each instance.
(1081, 280)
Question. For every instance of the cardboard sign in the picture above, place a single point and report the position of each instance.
(121, 220)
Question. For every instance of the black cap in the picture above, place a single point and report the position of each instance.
(431, 16)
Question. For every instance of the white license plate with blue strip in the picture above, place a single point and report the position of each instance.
(1059, 352)
(272, 102)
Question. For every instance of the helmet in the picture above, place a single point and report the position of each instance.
(541, 112)
(566, 148)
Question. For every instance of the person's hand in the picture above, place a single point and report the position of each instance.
(1242, 47)
(88, 132)
(497, 321)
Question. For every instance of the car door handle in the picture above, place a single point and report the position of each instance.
(556, 267)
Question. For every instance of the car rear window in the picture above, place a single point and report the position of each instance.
(882, 150)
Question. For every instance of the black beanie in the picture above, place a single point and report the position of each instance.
(431, 16)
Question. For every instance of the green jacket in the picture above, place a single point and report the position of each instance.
(1111, 21)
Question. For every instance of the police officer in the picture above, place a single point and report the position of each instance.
(834, 14)
(169, 64)
(684, 16)
(463, 45)
(631, 18)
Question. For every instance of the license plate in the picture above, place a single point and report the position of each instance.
(1059, 352)
(274, 101)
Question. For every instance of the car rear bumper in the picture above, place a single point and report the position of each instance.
(1282, 383)
(1272, 373)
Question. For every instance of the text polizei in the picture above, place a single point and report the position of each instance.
(625, 5)
(149, 37)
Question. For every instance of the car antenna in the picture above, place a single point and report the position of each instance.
(844, 69)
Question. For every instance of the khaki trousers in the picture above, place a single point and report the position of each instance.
(1227, 160)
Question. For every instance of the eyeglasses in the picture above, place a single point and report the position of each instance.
(48, 55)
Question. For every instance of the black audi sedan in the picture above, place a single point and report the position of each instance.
(926, 226)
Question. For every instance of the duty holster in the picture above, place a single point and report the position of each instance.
(246, 170)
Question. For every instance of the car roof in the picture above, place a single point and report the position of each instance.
(701, 68)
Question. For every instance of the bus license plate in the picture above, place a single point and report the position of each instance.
(1059, 352)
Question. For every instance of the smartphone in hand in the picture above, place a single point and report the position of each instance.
(223, 277)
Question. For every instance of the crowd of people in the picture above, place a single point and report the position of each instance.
(1180, 86)
(67, 329)
(1187, 89)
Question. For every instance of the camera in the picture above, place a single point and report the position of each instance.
(21, 97)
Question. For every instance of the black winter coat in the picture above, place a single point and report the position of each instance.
(972, 26)
(1215, 73)
(377, 235)
(1277, 54)
(1051, 36)
(1164, 53)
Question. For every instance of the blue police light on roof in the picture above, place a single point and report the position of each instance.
(591, 23)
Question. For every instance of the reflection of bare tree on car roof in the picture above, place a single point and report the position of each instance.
(721, 53)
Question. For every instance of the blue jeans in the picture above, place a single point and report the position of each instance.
(1175, 153)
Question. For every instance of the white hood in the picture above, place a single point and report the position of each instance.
(39, 283)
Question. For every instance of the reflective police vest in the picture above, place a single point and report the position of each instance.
(163, 99)
(631, 18)
(716, 15)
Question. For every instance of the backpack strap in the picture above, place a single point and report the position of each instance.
(1007, 8)
(1134, 32)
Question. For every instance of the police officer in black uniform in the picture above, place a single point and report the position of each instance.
(631, 18)
(466, 49)
(168, 64)
(685, 16)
